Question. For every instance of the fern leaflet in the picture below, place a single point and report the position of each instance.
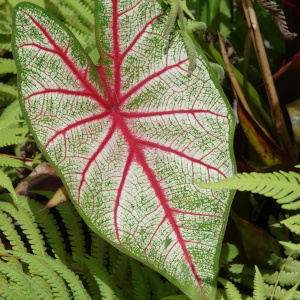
(7, 65)
(28, 226)
(231, 289)
(11, 234)
(140, 282)
(9, 294)
(73, 281)
(6, 183)
(106, 286)
(21, 279)
(282, 186)
(74, 228)
(259, 286)
(49, 226)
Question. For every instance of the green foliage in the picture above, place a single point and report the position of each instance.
(259, 292)
(282, 273)
(282, 186)
(65, 271)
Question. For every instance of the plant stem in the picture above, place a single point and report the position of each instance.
(267, 77)
(241, 99)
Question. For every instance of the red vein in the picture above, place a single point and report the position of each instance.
(167, 149)
(129, 9)
(138, 36)
(160, 195)
(148, 79)
(178, 211)
(63, 91)
(117, 57)
(171, 112)
(94, 156)
(84, 121)
(69, 63)
(125, 172)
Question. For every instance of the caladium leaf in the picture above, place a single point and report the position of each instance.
(129, 137)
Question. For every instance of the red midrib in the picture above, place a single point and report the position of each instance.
(140, 156)
(135, 150)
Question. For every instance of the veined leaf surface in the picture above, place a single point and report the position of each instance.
(129, 137)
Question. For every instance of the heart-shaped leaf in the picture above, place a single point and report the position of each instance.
(129, 137)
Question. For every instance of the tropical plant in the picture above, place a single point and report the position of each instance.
(256, 262)
(104, 129)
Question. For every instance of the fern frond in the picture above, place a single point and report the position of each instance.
(40, 268)
(121, 271)
(10, 233)
(7, 65)
(228, 253)
(8, 93)
(90, 4)
(29, 227)
(107, 287)
(12, 111)
(290, 294)
(4, 124)
(20, 278)
(73, 224)
(113, 259)
(282, 186)
(278, 16)
(5, 42)
(77, 289)
(69, 17)
(141, 287)
(92, 286)
(9, 294)
(14, 140)
(14, 131)
(83, 12)
(12, 162)
(289, 247)
(289, 278)
(259, 292)
(159, 289)
(234, 272)
(292, 223)
(231, 289)
(277, 229)
(279, 293)
(7, 184)
(48, 225)
(99, 249)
